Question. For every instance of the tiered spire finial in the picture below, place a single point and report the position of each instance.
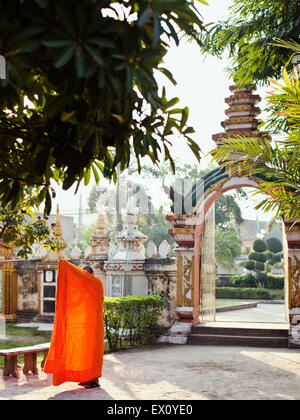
(131, 239)
(242, 115)
(100, 239)
(62, 243)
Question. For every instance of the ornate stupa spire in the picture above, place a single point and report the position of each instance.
(242, 115)
(131, 239)
(62, 243)
(100, 240)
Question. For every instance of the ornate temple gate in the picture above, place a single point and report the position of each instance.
(208, 270)
(193, 231)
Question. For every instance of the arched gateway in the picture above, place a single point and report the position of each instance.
(193, 227)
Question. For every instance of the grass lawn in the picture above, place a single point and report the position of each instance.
(28, 336)
(22, 337)
(229, 302)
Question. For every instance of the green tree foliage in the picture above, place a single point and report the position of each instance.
(265, 254)
(274, 253)
(228, 213)
(256, 262)
(88, 69)
(247, 36)
(227, 247)
(84, 237)
(155, 226)
(21, 230)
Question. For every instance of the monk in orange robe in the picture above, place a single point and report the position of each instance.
(77, 342)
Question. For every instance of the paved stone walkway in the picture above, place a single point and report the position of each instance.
(262, 313)
(175, 372)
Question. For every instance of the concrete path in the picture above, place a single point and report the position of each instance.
(183, 372)
(175, 372)
(262, 313)
(265, 314)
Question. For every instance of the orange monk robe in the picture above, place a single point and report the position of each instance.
(77, 342)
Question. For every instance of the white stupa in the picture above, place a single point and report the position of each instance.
(131, 246)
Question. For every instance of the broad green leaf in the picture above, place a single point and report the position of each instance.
(96, 174)
(65, 116)
(171, 102)
(184, 118)
(168, 74)
(157, 29)
(30, 46)
(57, 43)
(65, 57)
(95, 54)
(87, 176)
(80, 62)
(119, 118)
(48, 203)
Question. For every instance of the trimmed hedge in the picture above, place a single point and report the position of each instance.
(242, 293)
(270, 281)
(131, 318)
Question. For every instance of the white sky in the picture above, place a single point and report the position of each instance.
(202, 85)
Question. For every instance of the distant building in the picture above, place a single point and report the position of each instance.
(249, 230)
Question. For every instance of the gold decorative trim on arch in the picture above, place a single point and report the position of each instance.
(294, 282)
(183, 231)
(185, 281)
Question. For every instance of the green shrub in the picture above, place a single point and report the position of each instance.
(243, 280)
(271, 281)
(242, 293)
(263, 257)
(131, 318)
(261, 277)
(259, 245)
(249, 265)
(274, 282)
(274, 245)
(259, 266)
(254, 256)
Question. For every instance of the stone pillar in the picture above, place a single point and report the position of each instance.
(9, 292)
(161, 273)
(183, 233)
(28, 290)
(292, 230)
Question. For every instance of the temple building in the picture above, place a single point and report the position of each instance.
(28, 288)
(186, 283)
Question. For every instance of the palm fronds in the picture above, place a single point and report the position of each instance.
(277, 166)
